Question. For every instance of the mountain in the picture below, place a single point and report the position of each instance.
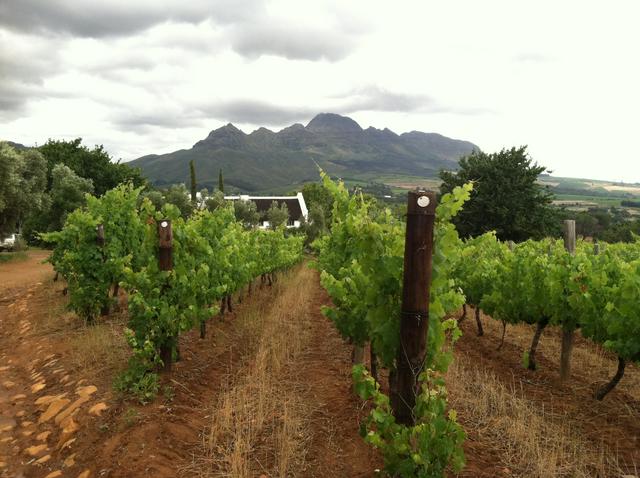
(16, 145)
(265, 160)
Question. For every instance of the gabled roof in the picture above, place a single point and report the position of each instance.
(295, 204)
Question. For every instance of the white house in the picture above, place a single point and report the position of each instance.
(295, 204)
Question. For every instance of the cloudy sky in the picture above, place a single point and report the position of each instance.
(152, 76)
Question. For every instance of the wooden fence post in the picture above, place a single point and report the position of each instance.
(414, 318)
(567, 331)
(165, 261)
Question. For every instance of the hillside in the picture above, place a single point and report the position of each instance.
(266, 160)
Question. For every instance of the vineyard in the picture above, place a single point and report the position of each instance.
(593, 288)
(174, 271)
(432, 332)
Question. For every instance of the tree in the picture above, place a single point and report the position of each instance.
(180, 198)
(220, 182)
(506, 197)
(202, 201)
(22, 185)
(94, 164)
(192, 171)
(316, 194)
(315, 226)
(156, 198)
(277, 215)
(246, 212)
(67, 194)
(215, 201)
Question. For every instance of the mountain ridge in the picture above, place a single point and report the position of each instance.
(264, 159)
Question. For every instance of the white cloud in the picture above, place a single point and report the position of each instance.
(153, 77)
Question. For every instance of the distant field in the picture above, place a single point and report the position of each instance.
(586, 200)
(633, 189)
(572, 193)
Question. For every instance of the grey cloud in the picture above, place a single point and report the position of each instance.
(374, 98)
(25, 62)
(135, 61)
(292, 42)
(236, 111)
(27, 58)
(13, 98)
(126, 120)
(256, 112)
(115, 18)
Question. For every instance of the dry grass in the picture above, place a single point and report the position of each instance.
(258, 423)
(6, 257)
(49, 312)
(589, 361)
(99, 349)
(532, 442)
(544, 438)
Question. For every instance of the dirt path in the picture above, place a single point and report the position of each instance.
(58, 418)
(16, 275)
(305, 403)
(42, 407)
(336, 448)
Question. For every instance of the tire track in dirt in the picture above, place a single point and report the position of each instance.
(336, 448)
(41, 407)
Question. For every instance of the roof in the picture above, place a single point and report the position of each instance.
(295, 204)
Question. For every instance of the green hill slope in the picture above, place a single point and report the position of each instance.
(265, 160)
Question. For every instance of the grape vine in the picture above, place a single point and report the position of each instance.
(213, 257)
(361, 265)
(540, 283)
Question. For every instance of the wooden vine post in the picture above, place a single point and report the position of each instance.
(100, 235)
(414, 318)
(165, 262)
(100, 242)
(567, 330)
(165, 243)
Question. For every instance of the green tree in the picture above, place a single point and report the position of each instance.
(220, 181)
(246, 213)
(316, 194)
(201, 202)
(156, 198)
(192, 171)
(215, 201)
(67, 194)
(506, 197)
(94, 164)
(179, 196)
(277, 215)
(315, 226)
(22, 184)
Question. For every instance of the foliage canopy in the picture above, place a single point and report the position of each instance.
(506, 196)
